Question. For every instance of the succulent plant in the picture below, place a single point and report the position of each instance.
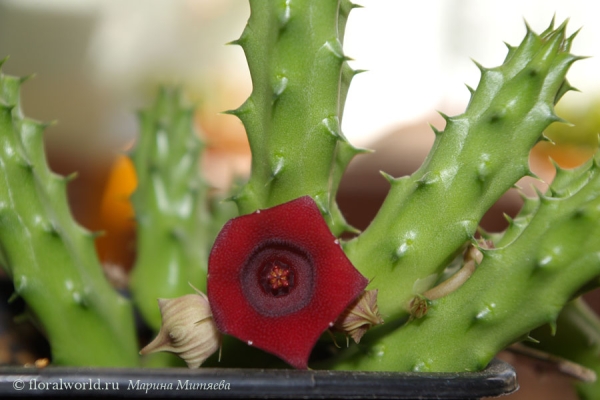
(516, 288)
(279, 275)
(170, 204)
(300, 79)
(430, 217)
(477, 157)
(50, 258)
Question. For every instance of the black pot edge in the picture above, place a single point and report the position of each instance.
(499, 378)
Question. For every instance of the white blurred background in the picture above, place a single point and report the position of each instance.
(419, 53)
(97, 60)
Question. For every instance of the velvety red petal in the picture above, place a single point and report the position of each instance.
(278, 278)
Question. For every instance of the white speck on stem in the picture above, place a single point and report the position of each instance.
(545, 261)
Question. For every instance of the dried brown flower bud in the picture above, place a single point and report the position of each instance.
(418, 307)
(187, 329)
(360, 316)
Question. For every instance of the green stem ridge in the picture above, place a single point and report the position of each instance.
(428, 217)
(292, 118)
(52, 259)
(170, 202)
(516, 288)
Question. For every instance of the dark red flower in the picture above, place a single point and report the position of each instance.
(278, 278)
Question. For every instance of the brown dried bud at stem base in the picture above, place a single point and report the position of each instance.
(419, 305)
(360, 316)
(187, 329)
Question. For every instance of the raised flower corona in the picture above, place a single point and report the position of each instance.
(277, 279)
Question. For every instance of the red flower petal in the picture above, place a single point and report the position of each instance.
(277, 279)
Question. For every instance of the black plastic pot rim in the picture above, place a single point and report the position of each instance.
(499, 378)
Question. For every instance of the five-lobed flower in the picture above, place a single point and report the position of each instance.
(278, 278)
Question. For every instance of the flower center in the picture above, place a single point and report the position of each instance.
(277, 278)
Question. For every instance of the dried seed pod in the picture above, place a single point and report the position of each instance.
(187, 329)
(360, 316)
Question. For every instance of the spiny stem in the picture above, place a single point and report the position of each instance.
(300, 78)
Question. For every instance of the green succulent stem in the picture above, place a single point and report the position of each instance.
(174, 228)
(515, 289)
(50, 258)
(300, 79)
(428, 217)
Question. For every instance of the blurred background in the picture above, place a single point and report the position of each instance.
(98, 61)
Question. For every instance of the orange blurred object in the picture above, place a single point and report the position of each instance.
(565, 155)
(117, 217)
